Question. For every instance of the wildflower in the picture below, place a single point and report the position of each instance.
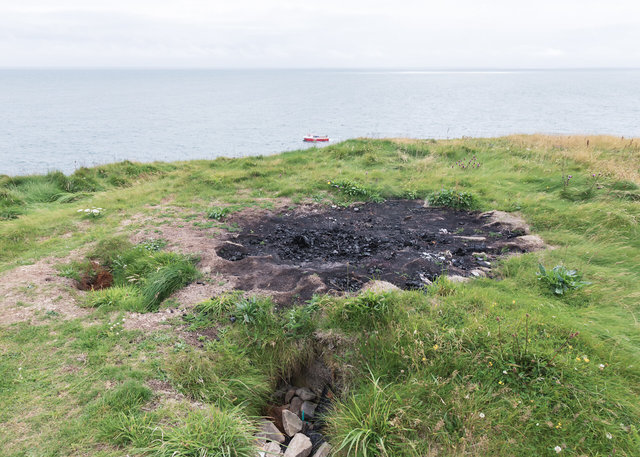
(558, 449)
(504, 371)
(328, 182)
(481, 415)
(490, 364)
(435, 347)
(601, 366)
(514, 302)
(424, 359)
(609, 436)
(585, 358)
(500, 382)
(79, 211)
(577, 359)
(402, 371)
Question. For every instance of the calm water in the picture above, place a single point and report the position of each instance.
(63, 119)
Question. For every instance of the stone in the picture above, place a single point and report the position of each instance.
(478, 273)
(271, 449)
(379, 287)
(296, 404)
(305, 394)
(289, 395)
(502, 219)
(308, 410)
(291, 423)
(270, 432)
(300, 446)
(457, 278)
(323, 450)
(526, 243)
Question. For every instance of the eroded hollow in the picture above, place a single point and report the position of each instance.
(318, 249)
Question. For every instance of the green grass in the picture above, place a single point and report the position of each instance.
(489, 367)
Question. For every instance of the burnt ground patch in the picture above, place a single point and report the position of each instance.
(318, 249)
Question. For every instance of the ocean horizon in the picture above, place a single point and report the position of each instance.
(63, 119)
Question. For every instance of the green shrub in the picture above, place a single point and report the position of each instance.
(453, 199)
(356, 190)
(136, 429)
(365, 310)
(211, 432)
(561, 279)
(224, 377)
(366, 424)
(109, 249)
(219, 307)
(254, 310)
(218, 213)
(299, 320)
(162, 283)
(125, 298)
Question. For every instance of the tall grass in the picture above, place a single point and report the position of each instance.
(211, 432)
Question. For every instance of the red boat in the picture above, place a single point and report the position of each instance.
(315, 138)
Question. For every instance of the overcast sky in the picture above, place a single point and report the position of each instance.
(326, 33)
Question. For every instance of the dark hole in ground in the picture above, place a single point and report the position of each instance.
(299, 407)
(96, 277)
(317, 249)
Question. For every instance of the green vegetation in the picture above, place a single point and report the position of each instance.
(143, 276)
(489, 367)
(560, 279)
(453, 199)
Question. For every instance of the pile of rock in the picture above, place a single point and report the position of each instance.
(295, 428)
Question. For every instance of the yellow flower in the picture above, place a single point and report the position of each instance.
(577, 359)
(514, 302)
(435, 347)
(490, 364)
(500, 382)
(585, 358)
(328, 182)
(424, 359)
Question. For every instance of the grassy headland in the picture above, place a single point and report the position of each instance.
(490, 367)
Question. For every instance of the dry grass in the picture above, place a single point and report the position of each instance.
(611, 155)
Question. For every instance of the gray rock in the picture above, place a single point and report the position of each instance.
(478, 273)
(271, 449)
(309, 410)
(457, 278)
(323, 450)
(270, 432)
(305, 394)
(484, 263)
(296, 404)
(379, 287)
(289, 395)
(300, 446)
(291, 423)
(501, 219)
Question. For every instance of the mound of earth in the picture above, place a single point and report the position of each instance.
(402, 242)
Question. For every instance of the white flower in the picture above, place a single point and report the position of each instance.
(79, 210)
(557, 449)
(87, 210)
(504, 371)
(481, 415)
(609, 436)
(601, 366)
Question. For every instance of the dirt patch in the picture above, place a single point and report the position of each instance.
(31, 289)
(315, 249)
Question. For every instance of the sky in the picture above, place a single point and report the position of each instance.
(444, 34)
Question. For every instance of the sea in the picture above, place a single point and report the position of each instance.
(69, 118)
